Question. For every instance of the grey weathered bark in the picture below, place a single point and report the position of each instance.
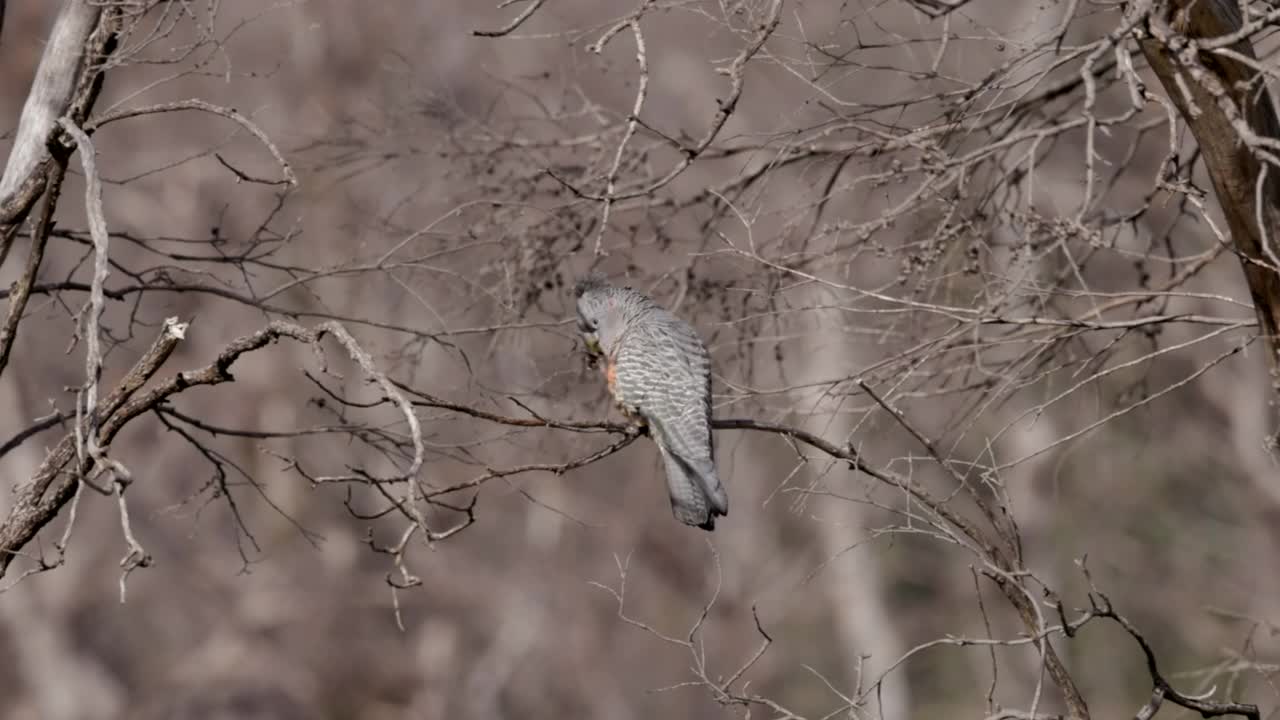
(66, 84)
(37, 501)
(1226, 105)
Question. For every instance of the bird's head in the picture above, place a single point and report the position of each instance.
(596, 305)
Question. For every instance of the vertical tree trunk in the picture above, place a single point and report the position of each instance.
(1222, 99)
(857, 582)
(65, 84)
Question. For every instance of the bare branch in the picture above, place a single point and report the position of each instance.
(208, 107)
(515, 23)
(1102, 607)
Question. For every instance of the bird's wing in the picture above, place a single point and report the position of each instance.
(690, 387)
(665, 373)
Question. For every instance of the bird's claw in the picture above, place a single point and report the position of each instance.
(636, 429)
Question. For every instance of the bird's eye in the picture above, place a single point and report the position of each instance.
(595, 323)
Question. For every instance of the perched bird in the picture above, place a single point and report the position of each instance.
(659, 373)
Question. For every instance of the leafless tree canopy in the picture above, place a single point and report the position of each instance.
(299, 424)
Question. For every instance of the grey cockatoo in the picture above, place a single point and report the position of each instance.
(658, 371)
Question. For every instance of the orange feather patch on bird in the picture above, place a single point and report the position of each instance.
(611, 376)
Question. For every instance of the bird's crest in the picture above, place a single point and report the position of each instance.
(591, 282)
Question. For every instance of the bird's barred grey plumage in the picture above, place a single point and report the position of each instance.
(659, 371)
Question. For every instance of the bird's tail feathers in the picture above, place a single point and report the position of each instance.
(709, 481)
(689, 502)
(697, 496)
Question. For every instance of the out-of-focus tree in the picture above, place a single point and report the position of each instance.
(955, 259)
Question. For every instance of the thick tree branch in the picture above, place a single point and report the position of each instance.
(22, 289)
(38, 501)
(51, 92)
(53, 485)
(66, 84)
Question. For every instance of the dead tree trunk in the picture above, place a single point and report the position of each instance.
(66, 84)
